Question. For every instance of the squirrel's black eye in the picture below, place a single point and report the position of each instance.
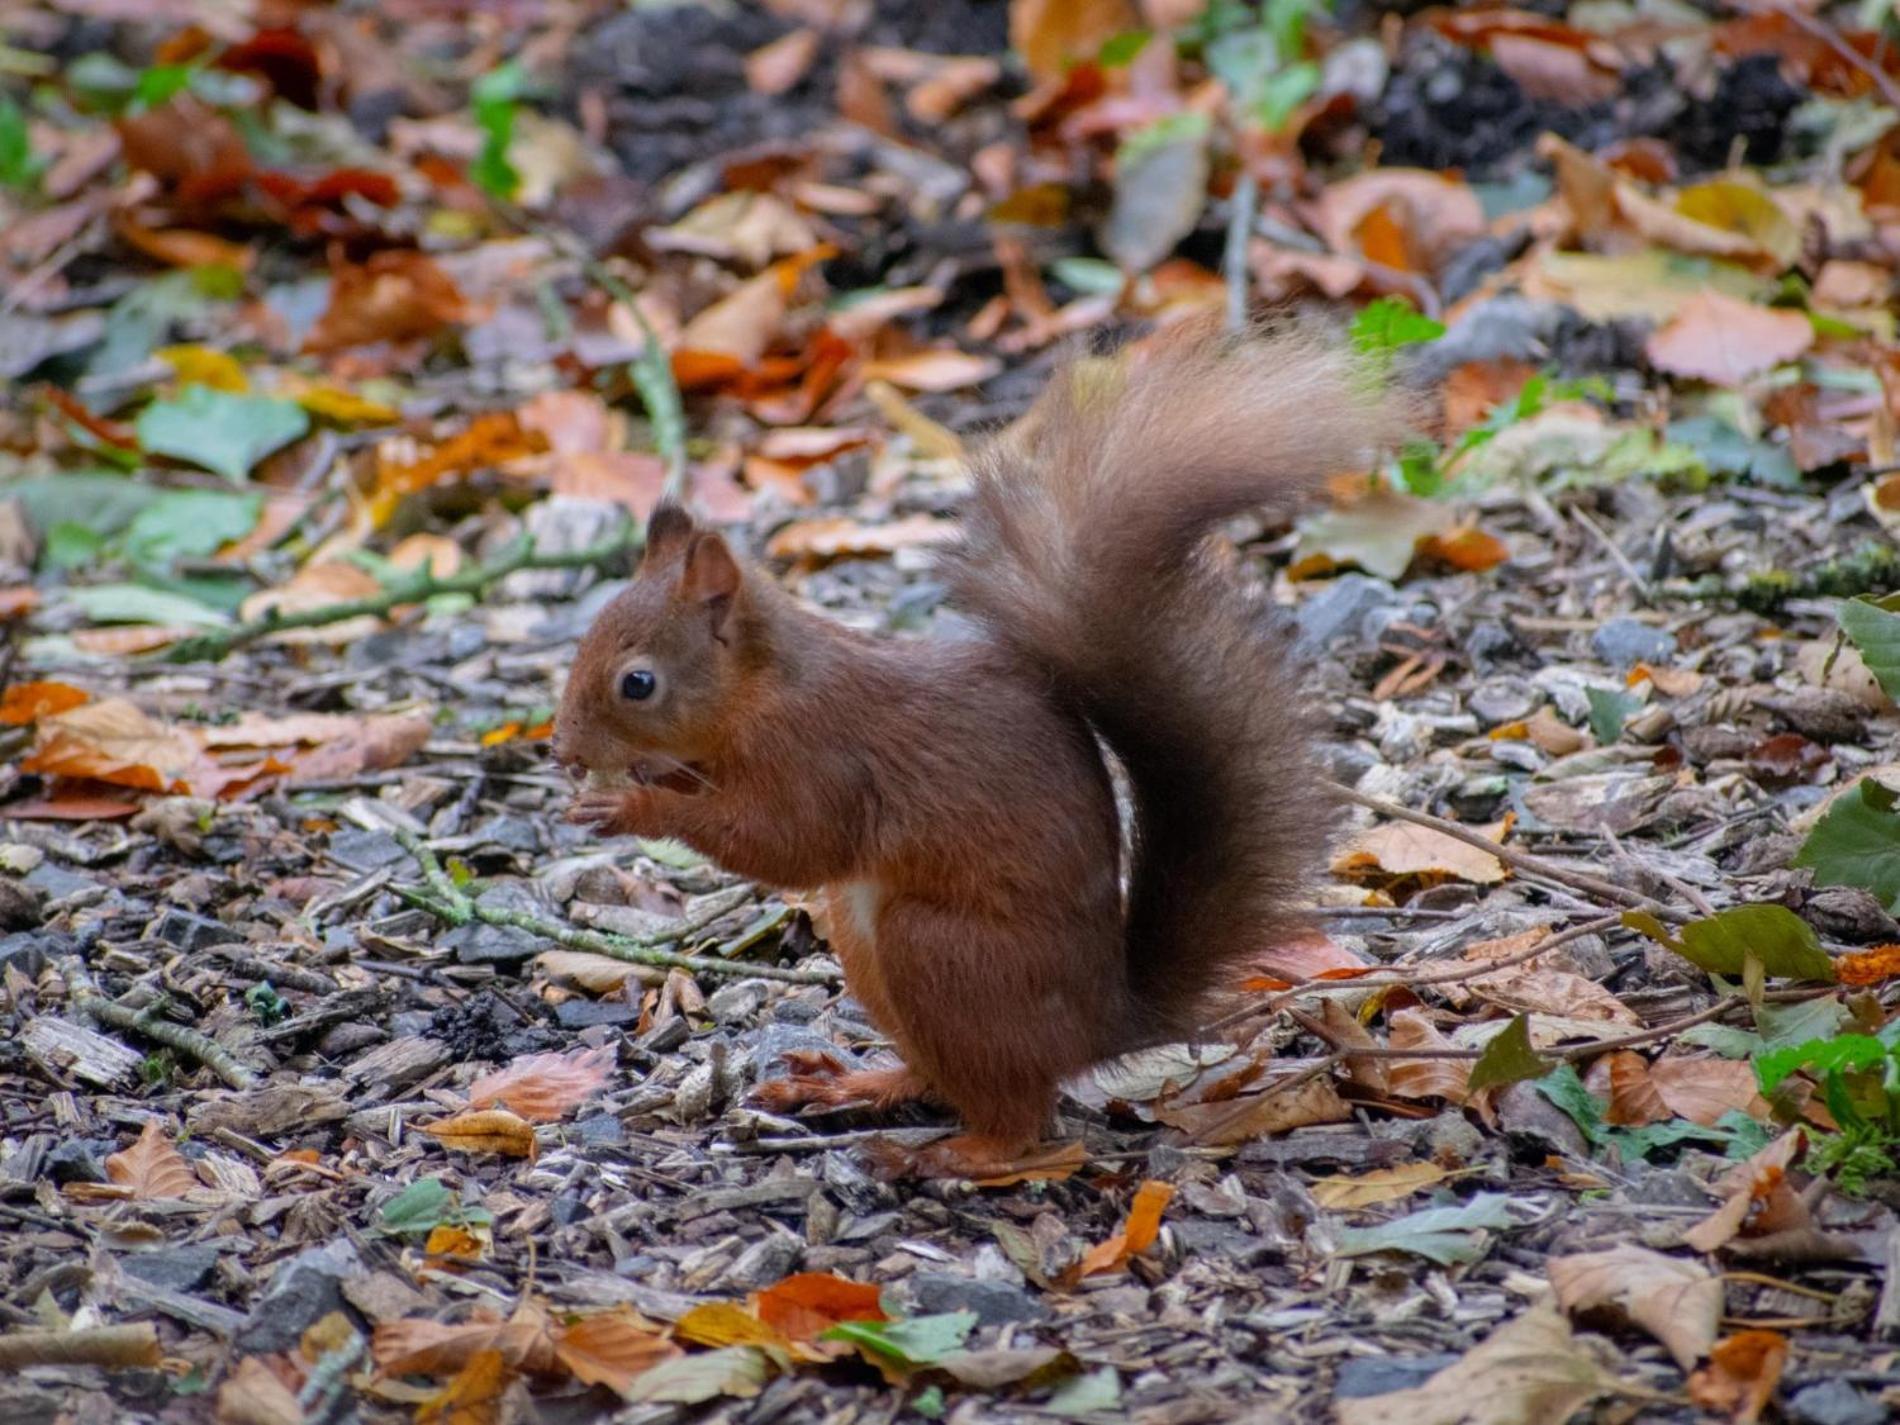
(637, 685)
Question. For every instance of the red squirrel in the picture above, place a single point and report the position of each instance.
(950, 795)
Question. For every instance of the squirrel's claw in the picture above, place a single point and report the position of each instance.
(598, 810)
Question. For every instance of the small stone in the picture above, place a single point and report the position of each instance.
(994, 1302)
(190, 931)
(27, 951)
(21, 907)
(56, 882)
(1364, 1376)
(183, 1268)
(1504, 699)
(78, 1160)
(1341, 609)
(1834, 1402)
(737, 1002)
(586, 1013)
(1624, 642)
(1662, 1187)
(770, 1259)
(342, 1039)
(364, 850)
(479, 943)
(302, 1291)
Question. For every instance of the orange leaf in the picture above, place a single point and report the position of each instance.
(398, 295)
(473, 1397)
(810, 1303)
(1869, 967)
(611, 1349)
(17, 601)
(447, 1240)
(23, 703)
(152, 1167)
(778, 66)
(1052, 34)
(1467, 548)
(1137, 1234)
(936, 369)
(1623, 1078)
(183, 247)
(493, 1130)
(545, 1087)
(113, 741)
(1741, 1375)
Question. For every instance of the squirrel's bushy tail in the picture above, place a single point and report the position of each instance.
(1085, 552)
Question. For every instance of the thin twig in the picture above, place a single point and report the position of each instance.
(192, 1043)
(1615, 551)
(1510, 855)
(1833, 39)
(1240, 217)
(446, 901)
(414, 589)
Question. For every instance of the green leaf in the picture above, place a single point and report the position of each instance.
(425, 1205)
(1772, 936)
(1283, 93)
(494, 98)
(160, 83)
(1160, 189)
(1750, 1135)
(1857, 843)
(71, 546)
(929, 1401)
(1119, 51)
(1508, 1057)
(1784, 1024)
(221, 431)
(102, 504)
(1610, 708)
(188, 524)
(139, 603)
(1097, 1393)
(1566, 1090)
(1876, 633)
(19, 167)
(1824, 1056)
(912, 1342)
(1390, 324)
(1439, 1234)
(1089, 276)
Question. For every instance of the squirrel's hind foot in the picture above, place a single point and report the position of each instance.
(820, 1080)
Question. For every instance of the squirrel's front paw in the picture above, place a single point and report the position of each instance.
(605, 812)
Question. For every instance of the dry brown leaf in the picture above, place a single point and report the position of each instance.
(1678, 1302)
(839, 537)
(1051, 34)
(113, 741)
(1346, 1033)
(611, 1348)
(938, 369)
(1558, 73)
(1703, 1090)
(1530, 1371)
(493, 1130)
(1398, 848)
(1531, 988)
(1381, 1185)
(544, 1088)
(1741, 1375)
(1622, 1078)
(1719, 339)
(1434, 215)
(1424, 1078)
(597, 974)
(24, 703)
(397, 295)
(776, 67)
(152, 1167)
(253, 1395)
(1755, 1193)
(418, 1346)
(1223, 1122)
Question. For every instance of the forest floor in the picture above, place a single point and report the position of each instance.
(342, 1079)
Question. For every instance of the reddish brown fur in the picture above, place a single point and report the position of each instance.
(950, 795)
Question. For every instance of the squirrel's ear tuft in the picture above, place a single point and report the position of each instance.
(668, 530)
(711, 574)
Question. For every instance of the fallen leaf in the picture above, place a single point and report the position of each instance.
(1868, 967)
(806, 1305)
(544, 1088)
(838, 537)
(473, 1397)
(1399, 849)
(397, 295)
(113, 741)
(1718, 339)
(182, 247)
(253, 1395)
(933, 369)
(1258, 1115)
(1381, 1185)
(493, 1130)
(1050, 34)
(1755, 1188)
(1379, 532)
(1136, 1236)
(152, 1167)
(25, 703)
(219, 430)
(1530, 1371)
(1741, 1375)
(1678, 1302)
(1434, 213)
(597, 974)
(611, 1348)
(1444, 1235)
(1424, 1078)
(418, 1346)
(776, 67)
(690, 1380)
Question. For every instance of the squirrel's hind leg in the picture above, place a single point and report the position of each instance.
(818, 1079)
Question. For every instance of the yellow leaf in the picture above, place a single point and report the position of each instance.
(345, 408)
(201, 366)
(473, 1397)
